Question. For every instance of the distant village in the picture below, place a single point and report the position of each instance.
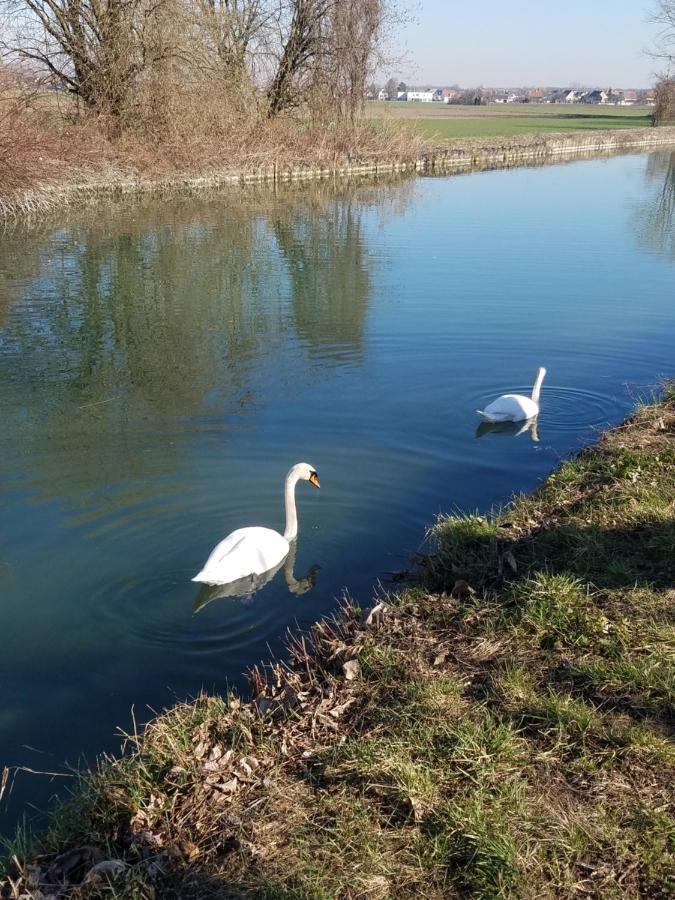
(477, 96)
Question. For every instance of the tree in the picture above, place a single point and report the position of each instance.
(663, 15)
(299, 48)
(97, 49)
(664, 109)
(391, 88)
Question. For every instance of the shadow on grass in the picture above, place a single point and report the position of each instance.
(483, 553)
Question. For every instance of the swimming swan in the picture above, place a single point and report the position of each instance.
(245, 588)
(253, 551)
(514, 407)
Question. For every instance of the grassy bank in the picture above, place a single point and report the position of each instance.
(498, 729)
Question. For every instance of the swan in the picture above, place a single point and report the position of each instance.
(514, 407)
(246, 587)
(254, 551)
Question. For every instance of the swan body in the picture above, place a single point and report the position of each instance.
(249, 585)
(514, 407)
(254, 551)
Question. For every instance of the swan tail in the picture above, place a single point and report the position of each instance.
(485, 416)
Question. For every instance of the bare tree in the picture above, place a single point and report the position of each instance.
(664, 109)
(234, 32)
(391, 88)
(95, 48)
(663, 15)
(353, 29)
(300, 46)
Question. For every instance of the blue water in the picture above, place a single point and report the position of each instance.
(163, 365)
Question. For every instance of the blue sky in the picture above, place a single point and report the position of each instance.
(513, 42)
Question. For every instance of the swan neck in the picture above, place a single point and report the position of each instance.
(291, 531)
(537, 386)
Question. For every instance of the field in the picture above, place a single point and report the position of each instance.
(501, 120)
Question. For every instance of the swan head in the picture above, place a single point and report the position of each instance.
(305, 472)
(541, 371)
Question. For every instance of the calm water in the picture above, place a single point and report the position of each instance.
(162, 367)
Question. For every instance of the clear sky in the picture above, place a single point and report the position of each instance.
(599, 43)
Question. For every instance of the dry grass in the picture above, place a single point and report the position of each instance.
(53, 154)
(50, 156)
(501, 729)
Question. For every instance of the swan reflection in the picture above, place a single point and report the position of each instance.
(251, 584)
(513, 429)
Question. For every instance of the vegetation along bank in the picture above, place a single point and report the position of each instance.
(498, 728)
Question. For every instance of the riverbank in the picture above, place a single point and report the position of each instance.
(56, 180)
(498, 729)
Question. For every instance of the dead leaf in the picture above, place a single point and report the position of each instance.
(352, 669)
(374, 615)
(228, 787)
(108, 868)
(337, 711)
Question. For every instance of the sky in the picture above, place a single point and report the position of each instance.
(598, 43)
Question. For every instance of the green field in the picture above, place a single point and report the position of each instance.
(497, 120)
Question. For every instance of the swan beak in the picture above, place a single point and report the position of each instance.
(314, 479)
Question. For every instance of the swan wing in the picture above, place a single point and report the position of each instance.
(509, 408)
(247, 551)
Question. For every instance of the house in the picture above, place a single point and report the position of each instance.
(630, 98)
(383, 95)
(449, 95)
(594, 97)
(423, 96)
(536, 95)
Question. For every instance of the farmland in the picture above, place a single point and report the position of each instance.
(440, 120)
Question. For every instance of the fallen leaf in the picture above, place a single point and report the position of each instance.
(108, 868)
(352, 669)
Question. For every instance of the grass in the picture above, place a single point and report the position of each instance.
(444, 121)
(506, 732)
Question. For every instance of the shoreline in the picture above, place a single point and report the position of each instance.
(458, 155)
(499, 727)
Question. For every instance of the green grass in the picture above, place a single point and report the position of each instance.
(508, 735)
(452, 122)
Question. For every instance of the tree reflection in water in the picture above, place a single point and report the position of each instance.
(149, 317)
(655, 213)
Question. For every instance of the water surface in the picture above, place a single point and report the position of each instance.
(163, 365)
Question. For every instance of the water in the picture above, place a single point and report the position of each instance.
(163, 365)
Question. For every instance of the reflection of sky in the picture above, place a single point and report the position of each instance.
(163, 369)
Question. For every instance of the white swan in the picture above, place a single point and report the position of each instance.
(514, 407)
(254, 551)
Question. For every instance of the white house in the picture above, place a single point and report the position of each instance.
(383, 95)
(424, 96)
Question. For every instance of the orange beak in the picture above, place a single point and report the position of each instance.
(314, 479)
